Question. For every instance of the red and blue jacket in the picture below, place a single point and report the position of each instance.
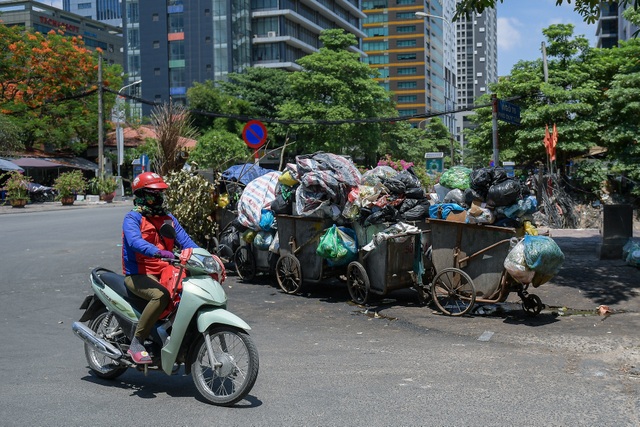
(141, 242)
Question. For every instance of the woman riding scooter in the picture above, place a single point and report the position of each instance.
(142, 250)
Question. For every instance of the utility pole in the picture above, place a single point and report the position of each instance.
(494, 120)
(100, 120)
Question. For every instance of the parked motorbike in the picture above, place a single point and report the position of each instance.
(212, 343)
(39, 193)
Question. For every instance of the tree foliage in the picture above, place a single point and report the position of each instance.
(588, 9)
(333, 86)
(219, 149)
(43, 80)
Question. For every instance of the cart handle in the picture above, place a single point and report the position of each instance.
(458, 262)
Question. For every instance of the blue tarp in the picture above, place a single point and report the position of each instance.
(7, 165)
(244, 173)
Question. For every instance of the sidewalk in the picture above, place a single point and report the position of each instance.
(55, 206)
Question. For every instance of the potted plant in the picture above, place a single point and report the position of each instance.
(107, 187)
(68, 184)
(17, 187)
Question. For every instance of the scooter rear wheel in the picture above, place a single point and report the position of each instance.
(104, 324)
(236, 368)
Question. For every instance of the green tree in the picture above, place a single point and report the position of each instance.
(264, 88)
(568, 99)
(210, 106)
(44, 79)
(588, 9)
(334, 86)
(404, 142)
(9, 136)
(219, 149)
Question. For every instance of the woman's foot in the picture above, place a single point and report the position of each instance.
(138, 353)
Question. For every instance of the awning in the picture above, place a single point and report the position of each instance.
(76, 163)
(32, 162)
(7, 165)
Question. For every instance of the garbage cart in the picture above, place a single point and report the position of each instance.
(468, 260)
(298, 262)
(390, 258)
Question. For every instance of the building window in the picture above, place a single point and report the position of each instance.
(406, 43)
(156, 44)
(407, 98)
(403, 2)
(405, 15)
(406, 29)
(156, 71)
(84, 6)
(407, 85)
(407, 71)
(376, 59)
(375, 4)
(377, 31)
(406, 56)
(155, 17)
(369, 46)
(411, 112)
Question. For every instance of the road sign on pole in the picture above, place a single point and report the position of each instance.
(254, 134)
(508, 112)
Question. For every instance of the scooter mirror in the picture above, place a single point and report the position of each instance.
(167, 230)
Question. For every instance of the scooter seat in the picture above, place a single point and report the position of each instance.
(115, 281)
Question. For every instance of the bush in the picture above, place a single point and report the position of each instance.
(190, 199)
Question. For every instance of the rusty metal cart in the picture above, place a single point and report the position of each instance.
(299, 237)
(396, 262)
(469, 267)
(250, 261)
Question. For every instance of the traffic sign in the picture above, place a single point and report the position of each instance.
(254, 134)
(508, 112)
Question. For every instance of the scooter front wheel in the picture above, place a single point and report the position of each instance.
(230, 375)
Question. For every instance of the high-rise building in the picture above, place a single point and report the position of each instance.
(415, 55)
(107, 11)
(171, 44)
(477, 58)
(612, 26)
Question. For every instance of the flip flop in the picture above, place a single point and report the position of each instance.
(140, 357)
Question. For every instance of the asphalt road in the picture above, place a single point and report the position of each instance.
(323, 361)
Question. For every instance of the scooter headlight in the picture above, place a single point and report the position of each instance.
(206, 263)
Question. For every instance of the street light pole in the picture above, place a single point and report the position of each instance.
(121, 115)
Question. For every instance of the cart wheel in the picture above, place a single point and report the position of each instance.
(358, 283)
(289, 274)
(453, 292)
(245, 264)
(532, 304)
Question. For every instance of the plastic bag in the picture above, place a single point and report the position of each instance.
(542, 255)
(485, 216)
(223, 200)
(263, 240)
(336, 244)
(631, 253)
(516, 265)
(505, 193)
(266, 219)
(248, 235)
(456, 177)
(287, 179)
(455, 196)
(349, 240)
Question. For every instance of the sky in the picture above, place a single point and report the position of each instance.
(520, 24)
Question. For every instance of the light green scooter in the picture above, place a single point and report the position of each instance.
(211, 342)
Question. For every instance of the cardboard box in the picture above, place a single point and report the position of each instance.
(457, 216)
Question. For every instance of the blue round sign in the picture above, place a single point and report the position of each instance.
(254, 134)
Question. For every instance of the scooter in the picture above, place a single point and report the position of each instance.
(210, 342)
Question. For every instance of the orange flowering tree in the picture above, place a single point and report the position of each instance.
(48, 87)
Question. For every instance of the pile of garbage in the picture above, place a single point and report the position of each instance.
(484, 196)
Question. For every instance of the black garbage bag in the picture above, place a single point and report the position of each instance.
(481, 180)
(407, 204)
(282, 206)
(409, 179)
(471, 195)
(386, 214)
(505, 193)
(395, 186)
(499, 175)
(418, 212)
(415, 193)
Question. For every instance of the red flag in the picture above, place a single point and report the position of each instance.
(547, 140)
(554, 141)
